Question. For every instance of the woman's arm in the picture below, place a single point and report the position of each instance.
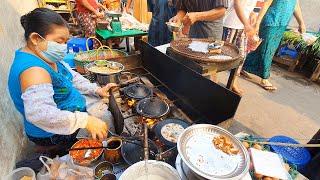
(86, 87)
(298, 16)
(211, 15)
(81, 83)
(40, 108)
(262, 12)
(128, 5)
(87, 5)
(42, 111)
(245, 21)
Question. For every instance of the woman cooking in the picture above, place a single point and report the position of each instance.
(48, 94)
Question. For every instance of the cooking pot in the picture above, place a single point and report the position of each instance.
(104, 78)
(156, 170)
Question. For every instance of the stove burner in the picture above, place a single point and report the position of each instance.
(138, 91)
(152, 108)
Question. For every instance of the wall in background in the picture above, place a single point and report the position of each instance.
(12, 140)
(311, 14)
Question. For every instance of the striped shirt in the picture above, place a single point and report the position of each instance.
(200, 5)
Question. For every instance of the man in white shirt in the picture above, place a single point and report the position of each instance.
(238, 26)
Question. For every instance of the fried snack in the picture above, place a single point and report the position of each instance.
(224, 144)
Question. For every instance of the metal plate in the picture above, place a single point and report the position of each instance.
(199, 154)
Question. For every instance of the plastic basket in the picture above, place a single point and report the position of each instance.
(293, 155)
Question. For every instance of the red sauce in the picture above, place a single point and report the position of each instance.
(78, 155)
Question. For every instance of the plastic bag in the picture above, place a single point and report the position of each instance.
(253, 43)
(56, 169)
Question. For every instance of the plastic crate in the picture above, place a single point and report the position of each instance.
(285, 51)
(293, 155)
(76, 45)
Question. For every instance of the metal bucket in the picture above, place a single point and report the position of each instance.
(158, 169)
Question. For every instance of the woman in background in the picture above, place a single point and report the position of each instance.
(271, 24)
(238, 27)
(88, 12)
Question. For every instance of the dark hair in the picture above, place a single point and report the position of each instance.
(40, 20)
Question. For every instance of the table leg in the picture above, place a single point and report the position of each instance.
(214, 76)
(232, 77)
(127, 44)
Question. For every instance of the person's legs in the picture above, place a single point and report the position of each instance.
(89, 26)
(54, 145)
(259, 61)
(236, 37)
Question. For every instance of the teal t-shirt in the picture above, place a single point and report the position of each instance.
(279, 13)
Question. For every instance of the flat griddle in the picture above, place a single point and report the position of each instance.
(181, 47)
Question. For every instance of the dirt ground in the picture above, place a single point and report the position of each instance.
(292, 110)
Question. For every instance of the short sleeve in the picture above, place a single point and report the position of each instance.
(221, 3)
(180, 5)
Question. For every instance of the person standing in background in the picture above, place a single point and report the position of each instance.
(88, 12)
(271, 24)
(238, 27)
(201, 18)
(162, 12)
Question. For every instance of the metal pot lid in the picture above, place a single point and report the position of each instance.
(152, 108)
(133, 153)
(138, 91)
(199, 153)
(169, 130)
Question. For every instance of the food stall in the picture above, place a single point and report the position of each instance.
(165, 127)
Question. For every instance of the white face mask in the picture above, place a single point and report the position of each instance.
(55, 52)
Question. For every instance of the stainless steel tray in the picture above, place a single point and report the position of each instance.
(198, 152)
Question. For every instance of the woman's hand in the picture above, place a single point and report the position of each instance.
(249, 30)
(97, 128)
(104, 91)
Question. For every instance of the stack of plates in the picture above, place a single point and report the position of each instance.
(202, 160)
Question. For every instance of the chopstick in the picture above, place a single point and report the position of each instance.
(283, 144)
(102, 147)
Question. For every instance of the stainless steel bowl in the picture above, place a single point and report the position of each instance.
(155, 168)
(191, 146)
(105, 78)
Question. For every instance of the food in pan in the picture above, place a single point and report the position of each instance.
(224, 144)
(78, 156)
(103, 70)
(171, 132)
(26, 178)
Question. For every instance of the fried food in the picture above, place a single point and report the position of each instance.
(224, 144)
